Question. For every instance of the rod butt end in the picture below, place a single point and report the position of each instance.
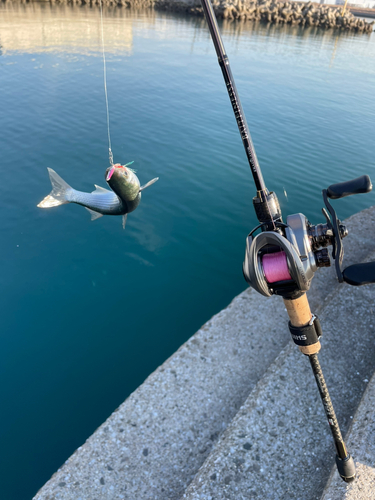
(346, 468)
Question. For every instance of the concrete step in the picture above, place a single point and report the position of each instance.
(361, 441)
(279, 445)
(152, 446)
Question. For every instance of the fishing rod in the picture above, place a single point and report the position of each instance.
(265, 203)
(283, 257)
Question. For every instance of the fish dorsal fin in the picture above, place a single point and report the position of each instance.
(148, 184)
(94, 215)
(124, 217)
(100, 189)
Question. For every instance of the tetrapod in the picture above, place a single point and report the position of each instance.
(283, 257)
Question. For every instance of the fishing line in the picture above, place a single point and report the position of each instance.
(105, 86)
(275, 267)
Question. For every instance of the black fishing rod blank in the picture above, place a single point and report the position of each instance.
(344, 462)
(306, 332)
(283, 258)
(266, 204)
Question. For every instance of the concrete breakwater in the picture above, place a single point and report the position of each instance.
(270, 11)
(274, 11)
(218, 414)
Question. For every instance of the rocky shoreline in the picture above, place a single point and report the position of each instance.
(270, 11)
(279, 12)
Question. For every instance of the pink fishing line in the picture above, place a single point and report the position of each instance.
(275, 267)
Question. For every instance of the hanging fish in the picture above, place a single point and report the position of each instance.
(123, 199)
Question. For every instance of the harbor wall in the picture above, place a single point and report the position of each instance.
(270, 11)
(156, 442)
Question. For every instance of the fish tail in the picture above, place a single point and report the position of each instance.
(58, 195)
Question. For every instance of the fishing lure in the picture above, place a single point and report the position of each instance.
(123, 199)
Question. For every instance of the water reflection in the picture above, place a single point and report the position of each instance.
(283, 33)
(42, 27)
(291, 41)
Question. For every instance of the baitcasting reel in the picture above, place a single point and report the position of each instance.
(283, 261)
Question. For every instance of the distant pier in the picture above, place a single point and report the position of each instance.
(271, 11)
(279, 12)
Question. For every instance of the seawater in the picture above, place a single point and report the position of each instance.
(88, 310)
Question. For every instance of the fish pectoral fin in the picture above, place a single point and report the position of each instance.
(148, 184)
(94, 215)
(124, 217)
(100, 189)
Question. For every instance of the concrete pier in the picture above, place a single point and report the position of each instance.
(270, 11)
(208, 422)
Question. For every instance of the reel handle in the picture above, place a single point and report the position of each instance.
(357, 274)
(359, 185)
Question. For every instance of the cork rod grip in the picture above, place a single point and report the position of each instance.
(300, 315)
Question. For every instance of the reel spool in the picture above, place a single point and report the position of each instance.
(278, 264)
(275, 267)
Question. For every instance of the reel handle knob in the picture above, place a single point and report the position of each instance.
(355, 186)
(360, 274)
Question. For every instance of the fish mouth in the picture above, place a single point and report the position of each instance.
(110, 173)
